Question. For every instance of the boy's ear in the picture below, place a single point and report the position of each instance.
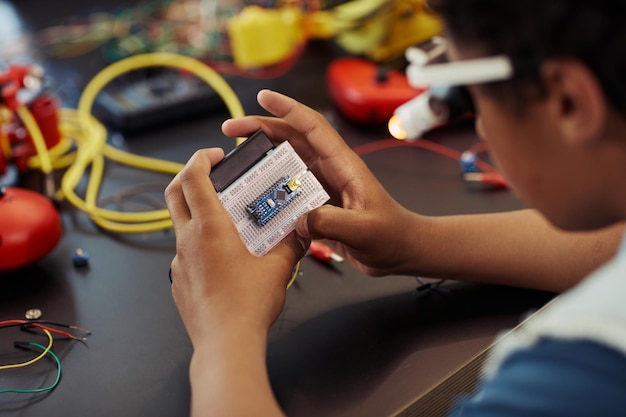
(576, 100)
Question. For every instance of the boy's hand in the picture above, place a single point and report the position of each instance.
(372, 228)
(217, 282)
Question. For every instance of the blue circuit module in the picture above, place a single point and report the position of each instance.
(264, 208)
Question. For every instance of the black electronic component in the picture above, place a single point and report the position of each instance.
(239, 160)
(157, 99)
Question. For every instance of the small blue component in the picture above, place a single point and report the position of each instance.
(468, 162)
(264, 208)
(80, 257)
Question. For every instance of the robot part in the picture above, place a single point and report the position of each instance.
(30, 227)
(23, 85)
(366, 93)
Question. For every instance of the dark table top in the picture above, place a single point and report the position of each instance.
(345, 344)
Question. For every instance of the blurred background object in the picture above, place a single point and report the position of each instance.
(255, 38)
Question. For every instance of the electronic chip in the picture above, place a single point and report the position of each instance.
(264, 208)
(266, 199)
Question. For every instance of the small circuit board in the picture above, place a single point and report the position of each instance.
(274, 200)
(265, 189)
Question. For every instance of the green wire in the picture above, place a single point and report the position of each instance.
(38, 390)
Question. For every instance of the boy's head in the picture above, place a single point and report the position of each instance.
(531, 31)
(557, 129)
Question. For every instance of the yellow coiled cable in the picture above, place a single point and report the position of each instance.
(81, 129)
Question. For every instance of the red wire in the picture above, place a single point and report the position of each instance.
(478, 147)
(38, 325)
(53, 330)
(420, 143)
(11, 322)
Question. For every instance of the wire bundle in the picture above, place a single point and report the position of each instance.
(196, 28)
(48, 328)
(84, 146)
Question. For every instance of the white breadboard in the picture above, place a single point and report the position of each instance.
(280, 162)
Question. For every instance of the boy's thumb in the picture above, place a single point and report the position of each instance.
(330, 222)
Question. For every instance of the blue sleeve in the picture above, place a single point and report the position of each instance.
(555, 378)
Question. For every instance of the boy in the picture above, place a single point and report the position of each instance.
(556, 129)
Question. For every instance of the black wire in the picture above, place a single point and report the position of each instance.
(28, 323)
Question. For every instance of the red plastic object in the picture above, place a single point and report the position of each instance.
(18, 145)
(365, 93)
(323, 253)
(45, 112)
(30, 227)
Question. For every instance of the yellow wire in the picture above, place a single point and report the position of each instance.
(294, 275)
(142, 161)
(5, 144)
(37, 138)
(159, 59)
(57, 153)
(158, 219)
(80, 127)
(30, 362)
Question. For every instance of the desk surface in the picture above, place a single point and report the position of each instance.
(345, 344)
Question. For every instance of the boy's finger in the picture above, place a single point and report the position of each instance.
(291, 249)
(196, 185)
(175, 201)
(318, 132)
(334, 223)
(276, 129)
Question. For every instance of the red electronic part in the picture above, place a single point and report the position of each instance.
(494, 179)
(366, 93)
(22, 85)
(17, 78)
(30, 227)
(323, 253)
(45, 110)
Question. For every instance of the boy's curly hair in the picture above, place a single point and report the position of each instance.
(531, 31)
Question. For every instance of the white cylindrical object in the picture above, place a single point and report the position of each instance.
(416, 117)
(474, 71)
